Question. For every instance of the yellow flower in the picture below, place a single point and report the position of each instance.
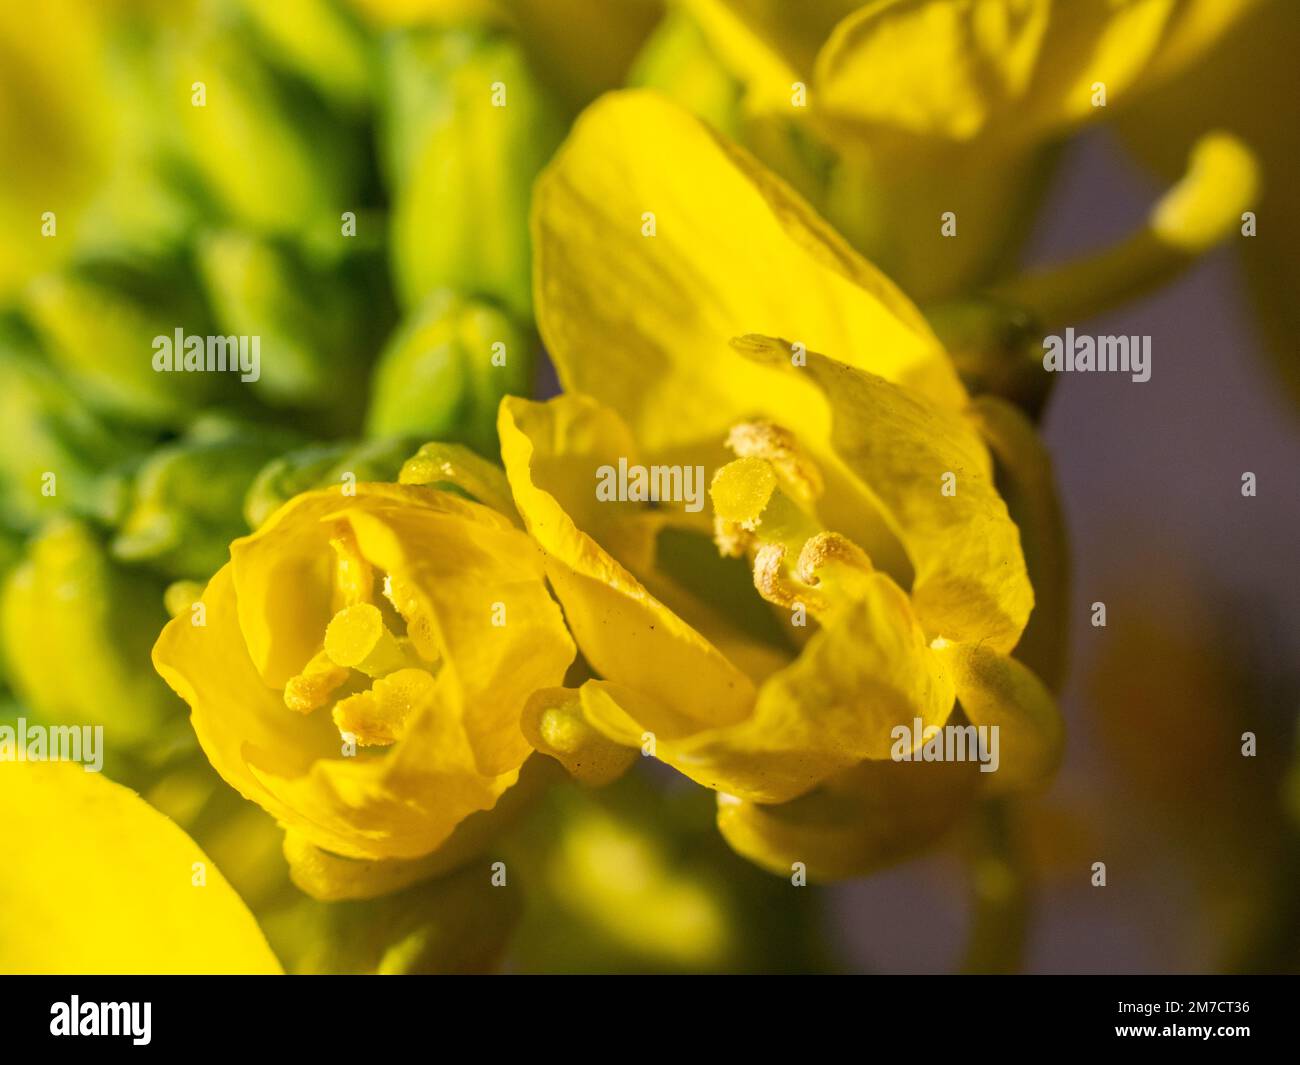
(938, 106)
(959, 69)
(861, 490)
(363, 661)
(97, 881)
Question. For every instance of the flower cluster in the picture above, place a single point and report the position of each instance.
(776, 243)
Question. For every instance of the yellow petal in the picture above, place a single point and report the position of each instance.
(626, 634)
(437, 464)
(999, 691)
(642, 322)
(934, 477)
(405, 804)
(864, 819)
(239, 720)
(290, 550)
(96, 881)
(332, 878)
(868, 671)
(1012, 70)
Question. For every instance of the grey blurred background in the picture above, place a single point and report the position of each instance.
(1201, 587)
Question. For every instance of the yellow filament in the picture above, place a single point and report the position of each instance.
(381, 715)
(313, 687)
(354, 578)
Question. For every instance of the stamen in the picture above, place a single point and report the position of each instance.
(740, 491)
(830, 548)
(357, 638)
(732, 540)
(779, 446)
(380, 716)
(354, 577)
(773, 585)
(554, 724)
(1200, 210)
(313, 687)
(420, 629)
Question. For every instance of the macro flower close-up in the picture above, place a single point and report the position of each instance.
(648, 487)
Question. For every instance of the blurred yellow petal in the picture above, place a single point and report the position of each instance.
(631, 889)
(995, 690)
(934, 477)
(76, 843)
(626, 634)
(864, 819)
(1012, 70)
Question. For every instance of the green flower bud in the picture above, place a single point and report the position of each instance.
(468, 130)
(188, 497)
(267, 151)
(321, 41)
(54, 451)
(678, 61)
(320, 466)
(316, 331)
(103, 325)
(443, 374)
(77, 632)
